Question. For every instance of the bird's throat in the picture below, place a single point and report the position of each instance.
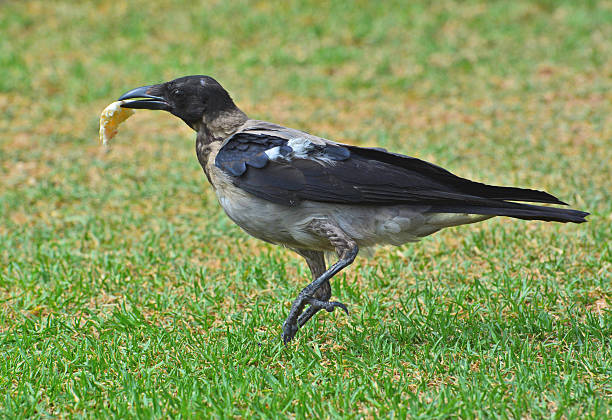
(222, 125)
(212, 133)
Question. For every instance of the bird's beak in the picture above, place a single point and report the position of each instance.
(142, 100)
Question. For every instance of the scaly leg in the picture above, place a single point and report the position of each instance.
(316, 263)
(347, 250)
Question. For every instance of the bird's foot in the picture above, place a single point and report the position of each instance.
(292, 325)
(289, 330)
(317, 305)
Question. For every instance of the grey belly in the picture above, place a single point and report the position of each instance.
(367, 225)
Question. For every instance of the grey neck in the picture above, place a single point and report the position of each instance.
(220, 126)
(212, 133)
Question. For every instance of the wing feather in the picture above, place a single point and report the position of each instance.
(268, 164)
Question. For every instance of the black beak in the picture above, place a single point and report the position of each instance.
(142, 100)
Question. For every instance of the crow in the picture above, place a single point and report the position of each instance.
(313, 195)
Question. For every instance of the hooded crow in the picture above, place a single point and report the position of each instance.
(312, 195)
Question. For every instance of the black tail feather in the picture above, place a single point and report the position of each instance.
(518, 211)
(453, 181)
(511, 193)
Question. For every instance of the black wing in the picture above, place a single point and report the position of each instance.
(268, 167)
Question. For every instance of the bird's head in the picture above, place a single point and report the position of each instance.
(194, 99)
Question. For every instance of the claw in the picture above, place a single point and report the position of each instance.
(341, 306)
(289, 330)
(328, 306)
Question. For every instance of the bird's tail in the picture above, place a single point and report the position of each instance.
(518, 211)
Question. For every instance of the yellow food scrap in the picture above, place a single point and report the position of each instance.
(111, 117)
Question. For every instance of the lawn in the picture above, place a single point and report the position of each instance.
(126, 292)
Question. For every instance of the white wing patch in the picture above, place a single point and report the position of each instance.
(301, 148)
(273, 153)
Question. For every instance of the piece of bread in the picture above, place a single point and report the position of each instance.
(111, 117)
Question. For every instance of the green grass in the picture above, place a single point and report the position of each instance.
(126, 292)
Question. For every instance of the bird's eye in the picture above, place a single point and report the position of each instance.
(177, 93)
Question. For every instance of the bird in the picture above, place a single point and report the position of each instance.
(314, 196)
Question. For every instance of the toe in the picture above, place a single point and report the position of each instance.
(338, 305)
(289, 331)
(328, 306)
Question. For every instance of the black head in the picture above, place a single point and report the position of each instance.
(191, 98)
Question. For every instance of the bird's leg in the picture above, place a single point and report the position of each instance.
(347, 250)
(322, 294)
(316, 263)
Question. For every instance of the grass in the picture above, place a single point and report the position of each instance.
(125, 292)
